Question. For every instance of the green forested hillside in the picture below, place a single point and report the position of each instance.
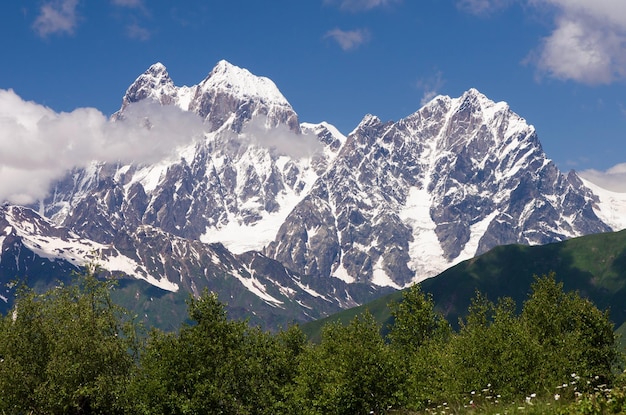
(594, 265)
(71, 350)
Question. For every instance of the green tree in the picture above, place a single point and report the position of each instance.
(418, 335)
(492, 348)
(573, 334)
(349, 372)
(216, 366)
(556, 335)
(67, 351)
(415, 321)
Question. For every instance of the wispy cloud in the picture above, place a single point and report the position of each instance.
(350, 39)
(56, 17)
(136, 12)
(279, 139)
(482, 7)
(612, 179)
(61, 17)
(430, 86)
(360, 5)
(38, 145)
(135, 31)
(134, 4)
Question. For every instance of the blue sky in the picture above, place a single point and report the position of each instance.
(561, 64)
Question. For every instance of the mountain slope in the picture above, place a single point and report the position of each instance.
(157, 271)
(594, 265)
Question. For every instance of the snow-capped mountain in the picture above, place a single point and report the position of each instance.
(227, 98)
(270, 202)
(254, 164)
(403, 201)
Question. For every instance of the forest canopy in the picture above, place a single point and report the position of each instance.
(71, 350)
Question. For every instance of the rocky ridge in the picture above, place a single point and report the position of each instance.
(405, 200)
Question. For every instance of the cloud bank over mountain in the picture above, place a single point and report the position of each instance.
(612, 179)
(38, 145)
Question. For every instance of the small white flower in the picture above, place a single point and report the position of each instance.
(557, 396)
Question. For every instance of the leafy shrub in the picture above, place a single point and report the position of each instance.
(67, 351)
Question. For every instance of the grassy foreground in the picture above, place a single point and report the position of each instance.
(565, 400)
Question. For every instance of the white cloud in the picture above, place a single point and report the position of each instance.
(587, 43)
(607, 11)
(584, 50)
(612, 179)
(57, 16)
(430, 86)
(350, 39)
(38, 145)
(360, 5)
(280, 139)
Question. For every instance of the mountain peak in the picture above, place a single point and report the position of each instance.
(156, 69)
(154, 83)
(474, 102)
(473, 92)
(241, 82)
(156, 75)
(474, 98)
(223, 66)
(369, 120)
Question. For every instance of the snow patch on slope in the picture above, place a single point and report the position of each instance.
(257, 288)
(477, 230)
(239, 237)
(427, 256)
(80, 251)
(342, 273)
(381, 278)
